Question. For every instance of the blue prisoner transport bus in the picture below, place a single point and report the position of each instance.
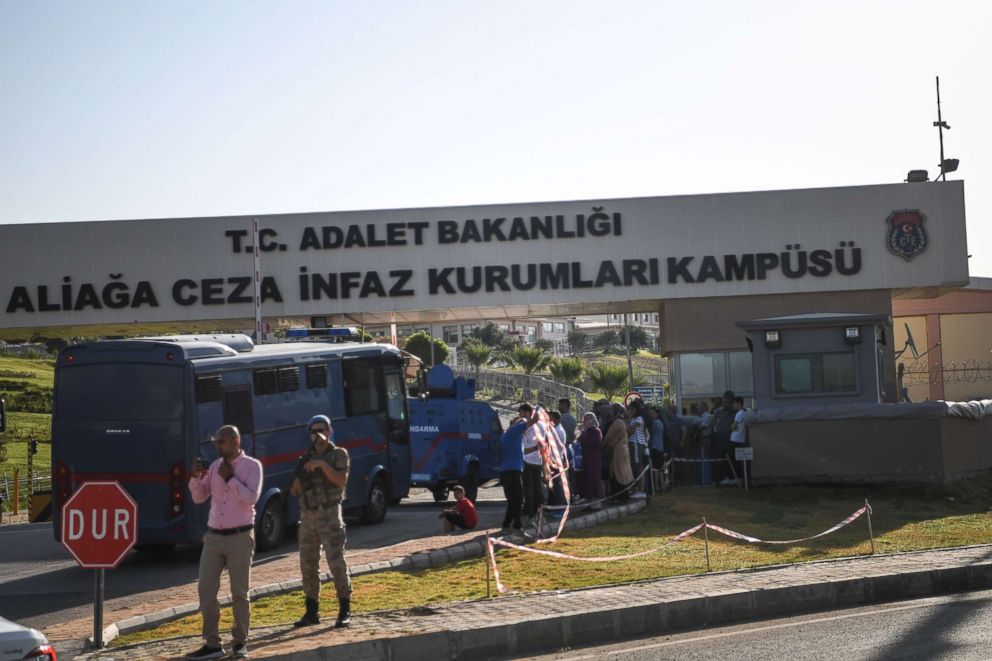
(140, 411)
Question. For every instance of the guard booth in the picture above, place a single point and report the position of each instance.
(823, 358)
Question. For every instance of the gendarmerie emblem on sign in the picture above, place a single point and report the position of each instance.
(907, 233)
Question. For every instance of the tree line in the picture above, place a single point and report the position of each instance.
(490, 345)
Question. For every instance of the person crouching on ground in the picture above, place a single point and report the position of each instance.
(462, 515)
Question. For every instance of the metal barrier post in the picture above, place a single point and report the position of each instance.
(17, 489)
(871, 536)
(706, 543)
(489, 549)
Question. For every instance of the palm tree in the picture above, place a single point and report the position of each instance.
(610, 380)
(530, 360)
(567, 370)
(477, 354)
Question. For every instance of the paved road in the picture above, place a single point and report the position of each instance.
(954, 627)
(41, 585)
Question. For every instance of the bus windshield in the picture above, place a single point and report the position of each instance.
(120, 391)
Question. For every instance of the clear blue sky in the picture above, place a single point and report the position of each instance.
(160, 109)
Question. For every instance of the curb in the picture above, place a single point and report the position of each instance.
(475, 548)
(611, 624)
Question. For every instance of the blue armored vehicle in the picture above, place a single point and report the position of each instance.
(454, 439)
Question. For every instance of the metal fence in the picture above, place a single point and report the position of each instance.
(25, 486)
(522, 387)
(962, 381)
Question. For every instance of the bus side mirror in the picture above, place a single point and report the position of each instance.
(3, 415)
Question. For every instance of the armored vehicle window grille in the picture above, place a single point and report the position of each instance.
(266, 381)
(316, 376)
(289, 379)
(208, 388)
(238, 410)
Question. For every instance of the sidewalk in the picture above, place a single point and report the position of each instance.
(532, 623)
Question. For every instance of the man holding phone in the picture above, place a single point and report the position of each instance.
(233, 483)
(320, 482)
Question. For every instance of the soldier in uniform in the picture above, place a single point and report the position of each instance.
(320, 482)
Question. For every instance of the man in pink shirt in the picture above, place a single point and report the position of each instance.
(233, 484)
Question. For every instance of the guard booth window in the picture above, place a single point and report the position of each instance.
(361, 387)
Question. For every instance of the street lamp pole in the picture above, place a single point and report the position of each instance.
(940, 129)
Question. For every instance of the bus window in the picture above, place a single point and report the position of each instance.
(266, 381)
(208, 388)
(237, 409)
(316, 376)
(289, 379)
(120, 391)
(361, 389)
(394, 398)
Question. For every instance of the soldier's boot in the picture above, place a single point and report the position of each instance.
(312, 615)
(344, 613)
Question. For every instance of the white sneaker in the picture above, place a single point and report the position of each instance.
(638, 495)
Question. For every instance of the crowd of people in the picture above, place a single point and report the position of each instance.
(605, 457)
(609, 450)
(710, 431)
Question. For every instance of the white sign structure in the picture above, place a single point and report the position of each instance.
(744, 454)
(549, 258)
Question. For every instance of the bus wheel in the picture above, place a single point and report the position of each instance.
(271, 526)
(440, 494)
(471, 483)
(375, 509)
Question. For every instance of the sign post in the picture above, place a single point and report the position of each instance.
(744, 455)
(99, 527)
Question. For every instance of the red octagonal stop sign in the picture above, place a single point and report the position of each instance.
(99, 524)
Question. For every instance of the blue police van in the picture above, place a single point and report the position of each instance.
(140, 411)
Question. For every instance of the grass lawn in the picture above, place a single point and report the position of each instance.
(19, 427)
(18, 375)
(32, 371)
(136, 330)
(904, 519)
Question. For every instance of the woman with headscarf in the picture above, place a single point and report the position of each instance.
(591, 442)
(617, 454)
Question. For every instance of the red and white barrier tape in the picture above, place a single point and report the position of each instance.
(586, 503)
(555, 462)
(755, 540)
(565, 556)
(492, 543)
